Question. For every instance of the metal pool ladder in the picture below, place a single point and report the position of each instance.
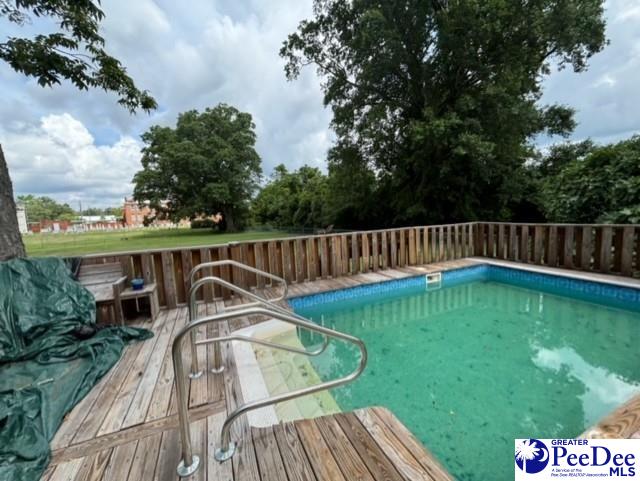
(262, 307)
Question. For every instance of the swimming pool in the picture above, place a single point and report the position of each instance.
(490, 355)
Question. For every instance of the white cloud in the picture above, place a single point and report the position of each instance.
(200, 53)
(625, 10)
(606, 96)
(193, 56)
(66, 131)
(59, 158)
(606, 80)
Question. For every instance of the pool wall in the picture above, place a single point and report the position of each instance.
(591, 291)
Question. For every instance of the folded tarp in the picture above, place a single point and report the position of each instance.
(51, 355)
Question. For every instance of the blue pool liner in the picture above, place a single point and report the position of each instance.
(590, 291)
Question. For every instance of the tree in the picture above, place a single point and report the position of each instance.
(75, 52)
(115, 211)
(91, 211)
(354, 199)
(11, 244)
(205, 165)
(440, 98)
(561, 155)
(599, 184)
(45, 208)
(529, 206)
(297, 198)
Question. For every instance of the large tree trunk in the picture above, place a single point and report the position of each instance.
(10, 239)
(229, 223)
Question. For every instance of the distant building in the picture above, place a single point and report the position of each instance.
(46, 225)
(135, 215)
(91, 219)
(98, 222)
(79, 224)
(22, 218)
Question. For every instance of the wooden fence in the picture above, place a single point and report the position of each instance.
(604, 248)
(296, 259)
(598, 248)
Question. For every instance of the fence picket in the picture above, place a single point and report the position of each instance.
(598, 248)
(385, 250)
(394, 248)
(605, 249)
(365, 252)
(258, 249)
(169, 279)
(299, 254)
(312, 258)
(374, 251)
(626, 251)
(586, 251)
(355, 254)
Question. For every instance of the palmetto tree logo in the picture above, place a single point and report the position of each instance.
(532, 455)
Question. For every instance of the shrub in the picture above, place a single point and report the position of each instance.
(203, 224)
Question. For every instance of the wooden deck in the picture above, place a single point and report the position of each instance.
(621, 423)
(126, 427)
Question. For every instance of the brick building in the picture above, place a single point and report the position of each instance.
(134, 213)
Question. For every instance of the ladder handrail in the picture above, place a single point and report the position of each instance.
(195, 370)
(257, 301)
(240, 265)
(190, 462)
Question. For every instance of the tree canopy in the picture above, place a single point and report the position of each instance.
(74, 52)
(297, 198)
(205, 165)
(438, 101)
(45, 208)
(116, 211)
(592, 183)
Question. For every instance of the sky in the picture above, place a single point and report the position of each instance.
(84, 147)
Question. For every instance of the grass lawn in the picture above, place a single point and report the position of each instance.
(73, 244)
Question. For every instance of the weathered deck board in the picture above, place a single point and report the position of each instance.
(121, 460)
(161, 397)
(116, 413)
(126, 427)
(419, 452)
(294, 458)
(143, 466)
(268, 455)
(401, 457)
(318, 452)
(89, 426)
(378, 464)
(141, 401)
(623, 422)
(352, 466)
(131, 434)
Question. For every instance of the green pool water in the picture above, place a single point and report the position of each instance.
(471, 367)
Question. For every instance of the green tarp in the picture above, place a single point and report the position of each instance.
(51, 355)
